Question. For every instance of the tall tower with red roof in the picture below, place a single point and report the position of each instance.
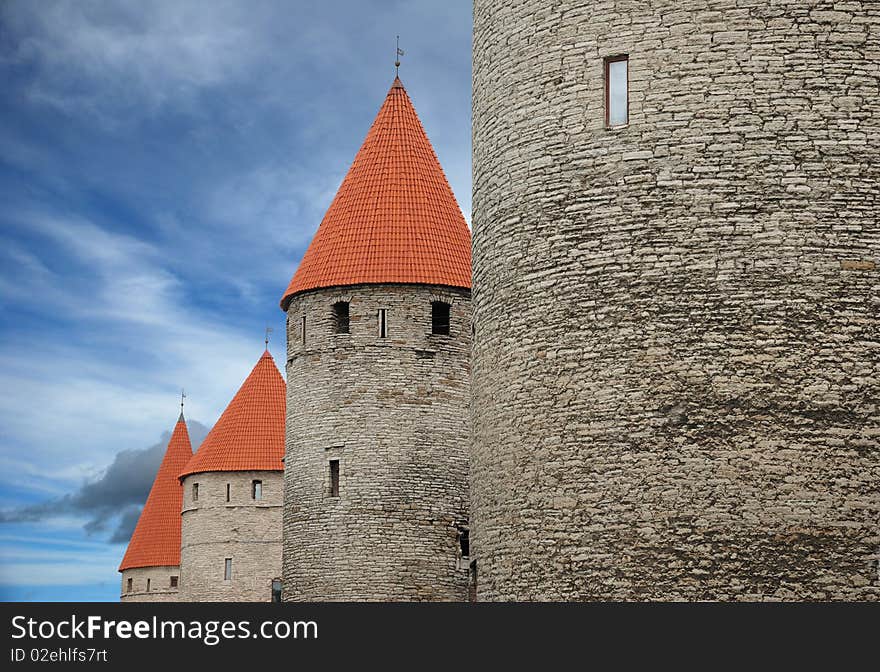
(378, 345)
(230, 549)
(151, 565)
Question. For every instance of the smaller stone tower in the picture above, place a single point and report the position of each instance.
(151, 565)
(231, 531)
(378, 346)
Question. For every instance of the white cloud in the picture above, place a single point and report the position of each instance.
(135, 342)
(96, 56)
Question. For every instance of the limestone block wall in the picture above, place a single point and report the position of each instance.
(244, 529)
(394, 412)
(675, 370)
(160, 588)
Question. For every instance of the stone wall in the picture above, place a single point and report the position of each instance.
(675, 370)
(160, 589)
(244, 529)
(394, 412)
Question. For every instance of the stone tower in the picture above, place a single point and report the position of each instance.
(675, 384)
(232, 489)
(151, 565)
(378, 344)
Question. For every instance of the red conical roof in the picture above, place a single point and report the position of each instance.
(156, 538)
(394, 219)
(249, 436)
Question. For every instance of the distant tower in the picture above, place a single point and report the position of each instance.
(675, 384)
(151, 565)
(232, 490)
(378, 345)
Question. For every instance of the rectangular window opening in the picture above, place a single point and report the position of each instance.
(174, 582)
(195, 492)
(383, 328)
(128, 586)
(303, 329)
(227, 570)
(148, 585)
(257, 490)
(464, 542)
(341, 321)
(617, 91)
(228, 488)
(276, 590)
(334, 478)
(440, 318)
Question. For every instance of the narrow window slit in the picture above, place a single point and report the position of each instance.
(383, 326)
(334, 478)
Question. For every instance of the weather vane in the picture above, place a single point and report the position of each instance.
(182, 397)
(268, 331)
(397, 57)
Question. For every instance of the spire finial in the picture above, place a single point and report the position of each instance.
(397, 56)
(182, 397)
(268, 331)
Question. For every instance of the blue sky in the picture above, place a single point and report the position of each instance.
(163, 165)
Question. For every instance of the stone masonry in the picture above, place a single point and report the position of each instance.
(675, 363)
(159, 590)
(244, 529)
(394, 412)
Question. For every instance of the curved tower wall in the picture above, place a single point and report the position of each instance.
(159, 588)
(244, 529)
(394, 412)
(675, 362)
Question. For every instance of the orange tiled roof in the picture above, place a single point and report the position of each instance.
(155, 541)
(249, 436)
(394, 218)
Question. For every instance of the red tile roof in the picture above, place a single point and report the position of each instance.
(394, 218)
(249, 436)
(156, 538)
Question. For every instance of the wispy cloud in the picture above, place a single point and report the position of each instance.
(115, 497)
(99, 59)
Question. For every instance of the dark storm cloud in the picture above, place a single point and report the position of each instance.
(116, 497)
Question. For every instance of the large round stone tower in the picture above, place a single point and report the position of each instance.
(378, 345)
(675, 384)
(230, 547)
(151, 565)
